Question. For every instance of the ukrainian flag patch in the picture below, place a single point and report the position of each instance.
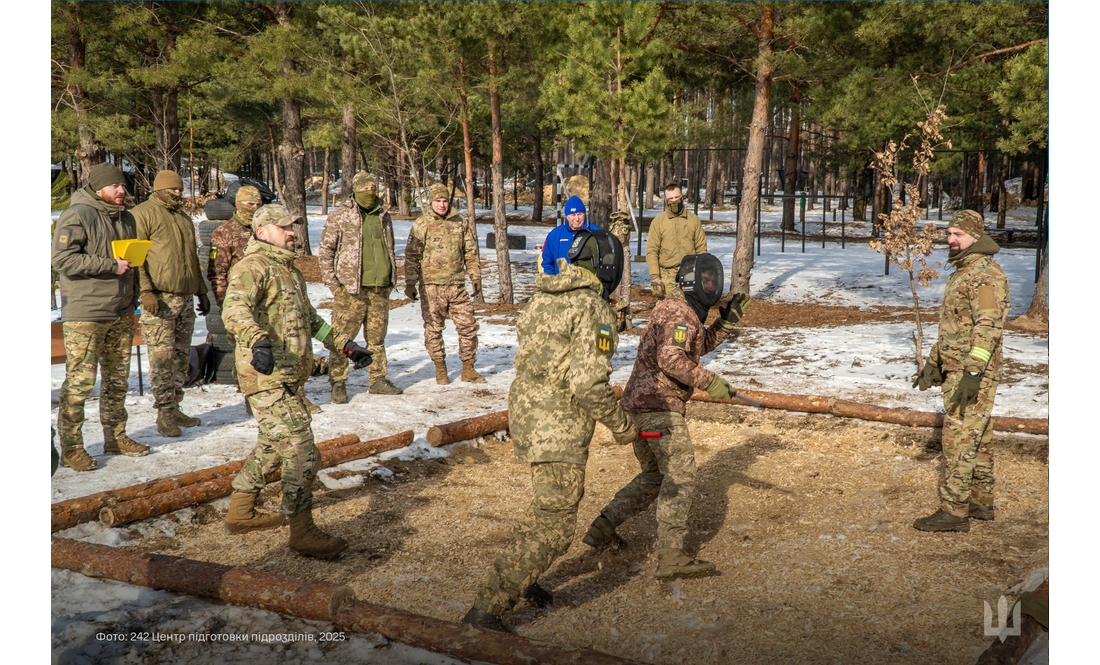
(680, 335)
(604, 341)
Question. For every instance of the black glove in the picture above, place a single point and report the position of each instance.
(410, 291)
(263, 361)
(204, 304)
(359, 356)
(967, 390)
(930, 375)
(734, 309)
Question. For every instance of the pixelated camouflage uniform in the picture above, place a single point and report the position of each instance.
(439, 253)
(666, 372)
(97, 308)
(172, 273)
(972, 318)
(671, 238)
(227, 244)
(266, 299)
(566, 337)
(343, 268)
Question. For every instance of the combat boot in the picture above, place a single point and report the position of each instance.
(307, 539)
(538, 596)
(243, 516)
(469, 374)
(441, 372)
(384, 387)
(184, 420)
(601, 535)
(485, 620)
(123, 445)
(941, 520)
(339, 392)
(166, 422)
(673, 563)
(980, 511)
(77, 459)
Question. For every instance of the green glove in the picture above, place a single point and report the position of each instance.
(734, 309)
(721, 389)
(410, 290)
(930, 375)
(629, 435)
(149, 303)
(967, 390)
(658, 289)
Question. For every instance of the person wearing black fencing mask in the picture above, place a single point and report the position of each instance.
(601, 253)
(666, 371)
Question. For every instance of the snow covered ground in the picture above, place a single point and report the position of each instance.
(868, 362)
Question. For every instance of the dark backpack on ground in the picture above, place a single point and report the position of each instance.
(200, 366)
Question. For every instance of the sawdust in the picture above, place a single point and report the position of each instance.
(807, 518)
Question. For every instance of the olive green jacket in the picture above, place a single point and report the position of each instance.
(172, 264)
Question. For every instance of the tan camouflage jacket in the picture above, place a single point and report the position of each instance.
(672, 238)
(667, 370)
(267, 297)
(972, 318)
(227, 244)
(441, 251)
(567, 335)
(341, 252)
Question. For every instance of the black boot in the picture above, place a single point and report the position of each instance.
(538, 596)
(485, 620)
(941, 520)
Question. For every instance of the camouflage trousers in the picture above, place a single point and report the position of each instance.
(968, 470)
(90, 345)
(370, 310)
(544, 534)
(168, 337)
(285, 442)
(439, 302)
(667, 277)
(667, 475)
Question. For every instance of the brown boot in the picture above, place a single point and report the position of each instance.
(673, 563)
(307, 539)
(384, 387)
(77, 459)
(601, 535)
(441, 372)
(980, 511)
(123, 445)
(166, 422)
(243, 516)
(184, 420)
(469, 374)
(339, 392)
(313, 408)
(941, 520)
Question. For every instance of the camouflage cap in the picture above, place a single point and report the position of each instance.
(362, 179)
(969, 222)
(248, 194)
(272, 213)
(439, 191)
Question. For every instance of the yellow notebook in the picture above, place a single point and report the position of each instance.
(131, 250)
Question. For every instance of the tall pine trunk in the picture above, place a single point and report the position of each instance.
(536, 146)
(791, 166)
(754, 157)
(89, 153)
(292, 155)
(347, 151)
(500, 222)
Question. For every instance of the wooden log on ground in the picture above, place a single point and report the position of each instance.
(192, 495)
(65, 514)
(315, 600)
(1014, 647)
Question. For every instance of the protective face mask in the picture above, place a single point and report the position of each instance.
(366, 199)
(676, 207)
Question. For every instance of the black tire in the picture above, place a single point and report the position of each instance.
(219, 210)
(223, 358)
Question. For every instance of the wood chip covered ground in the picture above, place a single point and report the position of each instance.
(807, 518)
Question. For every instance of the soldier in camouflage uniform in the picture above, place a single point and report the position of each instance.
(441, 250)
(966, 361)
(228, 241)
(666, 372)
(567, 336)
(268, 311)
(358, 266)
(171, 278)
(674, 234)
(98, 298)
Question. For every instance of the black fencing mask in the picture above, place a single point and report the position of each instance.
(600, 252)
(701, 279)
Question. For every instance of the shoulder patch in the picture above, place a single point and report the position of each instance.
(604, 341)
(987, 297)
(63, 239)
(680, 335)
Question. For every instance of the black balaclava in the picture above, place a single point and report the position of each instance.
(701, 279)
(600, 252)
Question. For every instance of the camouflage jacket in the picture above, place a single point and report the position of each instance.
(671, 238)
(172, 264)
(85, 262)
(341, 252)
(267, 298)
(567, 335)
(441, 251)
(667, 369)
(227, 244)
(972, 318)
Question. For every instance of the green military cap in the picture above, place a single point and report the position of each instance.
(439, 191)
(248, 194)
(167, 180)
(104, 174)
(969, 222)
(272, 213)
(361, 180)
